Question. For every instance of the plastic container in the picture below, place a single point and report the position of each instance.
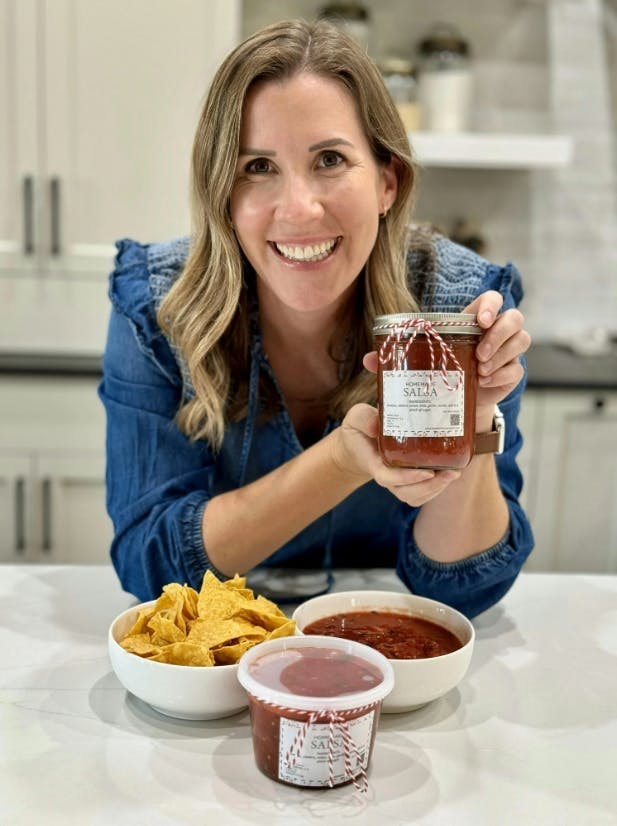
(400, 79)
(427, 383)
(445, 80)
(314, 704)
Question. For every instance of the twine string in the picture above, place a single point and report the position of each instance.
(337, 721)
(392, 349)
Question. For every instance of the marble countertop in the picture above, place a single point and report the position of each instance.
(528, 737)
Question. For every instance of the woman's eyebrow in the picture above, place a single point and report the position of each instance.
(270, 153)
(330, 142)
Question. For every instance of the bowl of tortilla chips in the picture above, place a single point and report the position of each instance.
(180, 652)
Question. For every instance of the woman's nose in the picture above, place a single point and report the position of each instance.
(299, 200)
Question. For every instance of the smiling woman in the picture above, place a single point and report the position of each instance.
(239, 375)
(306, 210)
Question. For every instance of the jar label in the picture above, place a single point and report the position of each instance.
(309, 764)
(414, 405)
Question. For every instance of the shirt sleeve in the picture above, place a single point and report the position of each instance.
(158, 481)
(474, 584)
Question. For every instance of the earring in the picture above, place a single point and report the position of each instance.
(384, 213)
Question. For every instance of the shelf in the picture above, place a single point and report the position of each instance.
(492, 151)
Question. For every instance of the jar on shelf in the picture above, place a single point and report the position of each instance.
(445, 79)
(352, 18)
(401, 81)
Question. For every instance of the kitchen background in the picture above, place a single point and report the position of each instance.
(98, 103)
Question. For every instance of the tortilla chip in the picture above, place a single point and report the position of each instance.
(213, 627)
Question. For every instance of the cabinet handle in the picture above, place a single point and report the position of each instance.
(20, 515)
(54, 197)
(46, 502)
(28, 198)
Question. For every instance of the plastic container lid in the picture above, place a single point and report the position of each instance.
(286, 647)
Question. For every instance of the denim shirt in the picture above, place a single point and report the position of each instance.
(159, 481)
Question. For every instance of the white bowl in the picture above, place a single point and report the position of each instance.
(188, 692)
(416, 682)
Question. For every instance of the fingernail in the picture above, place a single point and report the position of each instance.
(486, 316)
(426, 474)
(484, 379)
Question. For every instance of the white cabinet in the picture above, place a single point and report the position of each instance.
(570, 468)
(99, 101)
(52, 472)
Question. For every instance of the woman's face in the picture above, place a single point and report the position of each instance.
(308, 192)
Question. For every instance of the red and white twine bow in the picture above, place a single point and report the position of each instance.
(409, 328)
(336, 721)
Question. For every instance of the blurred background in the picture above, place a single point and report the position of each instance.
(511, 108)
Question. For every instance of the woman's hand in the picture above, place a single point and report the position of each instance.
(503, 341)
(355, 453)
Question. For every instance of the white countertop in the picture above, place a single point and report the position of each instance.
(529, 737)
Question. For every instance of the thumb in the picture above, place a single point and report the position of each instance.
(364, 418)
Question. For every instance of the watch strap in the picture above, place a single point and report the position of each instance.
(493, 441)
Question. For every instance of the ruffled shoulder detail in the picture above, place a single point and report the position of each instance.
(132, 294)
(460, 275)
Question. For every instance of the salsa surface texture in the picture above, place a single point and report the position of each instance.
(398, 636)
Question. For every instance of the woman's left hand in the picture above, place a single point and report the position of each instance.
(503, 341)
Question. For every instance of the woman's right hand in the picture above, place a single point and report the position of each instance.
(355, 453)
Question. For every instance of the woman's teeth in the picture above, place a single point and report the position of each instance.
(313, 252)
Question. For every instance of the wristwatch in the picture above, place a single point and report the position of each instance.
(493, 441)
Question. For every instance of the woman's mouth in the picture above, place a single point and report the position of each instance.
(306, 253)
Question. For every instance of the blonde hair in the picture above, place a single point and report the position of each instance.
(206, 312)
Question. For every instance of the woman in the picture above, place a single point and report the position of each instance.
(232, 359)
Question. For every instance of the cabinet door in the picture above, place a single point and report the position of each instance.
(15, 507)
(19, 144)
(75, 527)
(575, 519)
(529, 425)
(125, 82)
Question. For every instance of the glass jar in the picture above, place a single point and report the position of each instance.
(352, 18)
(445, 79)
(400, 79)
(427, 383)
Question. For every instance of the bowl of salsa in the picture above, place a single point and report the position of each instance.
(428, 644)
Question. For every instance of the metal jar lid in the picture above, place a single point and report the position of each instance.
(449, 323)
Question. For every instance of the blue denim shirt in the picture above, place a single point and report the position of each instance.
(159, 482)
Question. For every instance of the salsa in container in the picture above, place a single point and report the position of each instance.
(314, 704)
(427, 382)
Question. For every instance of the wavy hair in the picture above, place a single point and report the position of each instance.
(206, 312)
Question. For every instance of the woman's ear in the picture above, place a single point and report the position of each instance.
(389, 173)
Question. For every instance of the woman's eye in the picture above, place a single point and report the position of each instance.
(331, 159)
(258, 166)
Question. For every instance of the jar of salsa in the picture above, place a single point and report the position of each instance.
(427, 384)
(314, 704)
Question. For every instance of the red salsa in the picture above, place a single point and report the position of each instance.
(309, 672)
(398, 636)
(422, 423)
(316, 672)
